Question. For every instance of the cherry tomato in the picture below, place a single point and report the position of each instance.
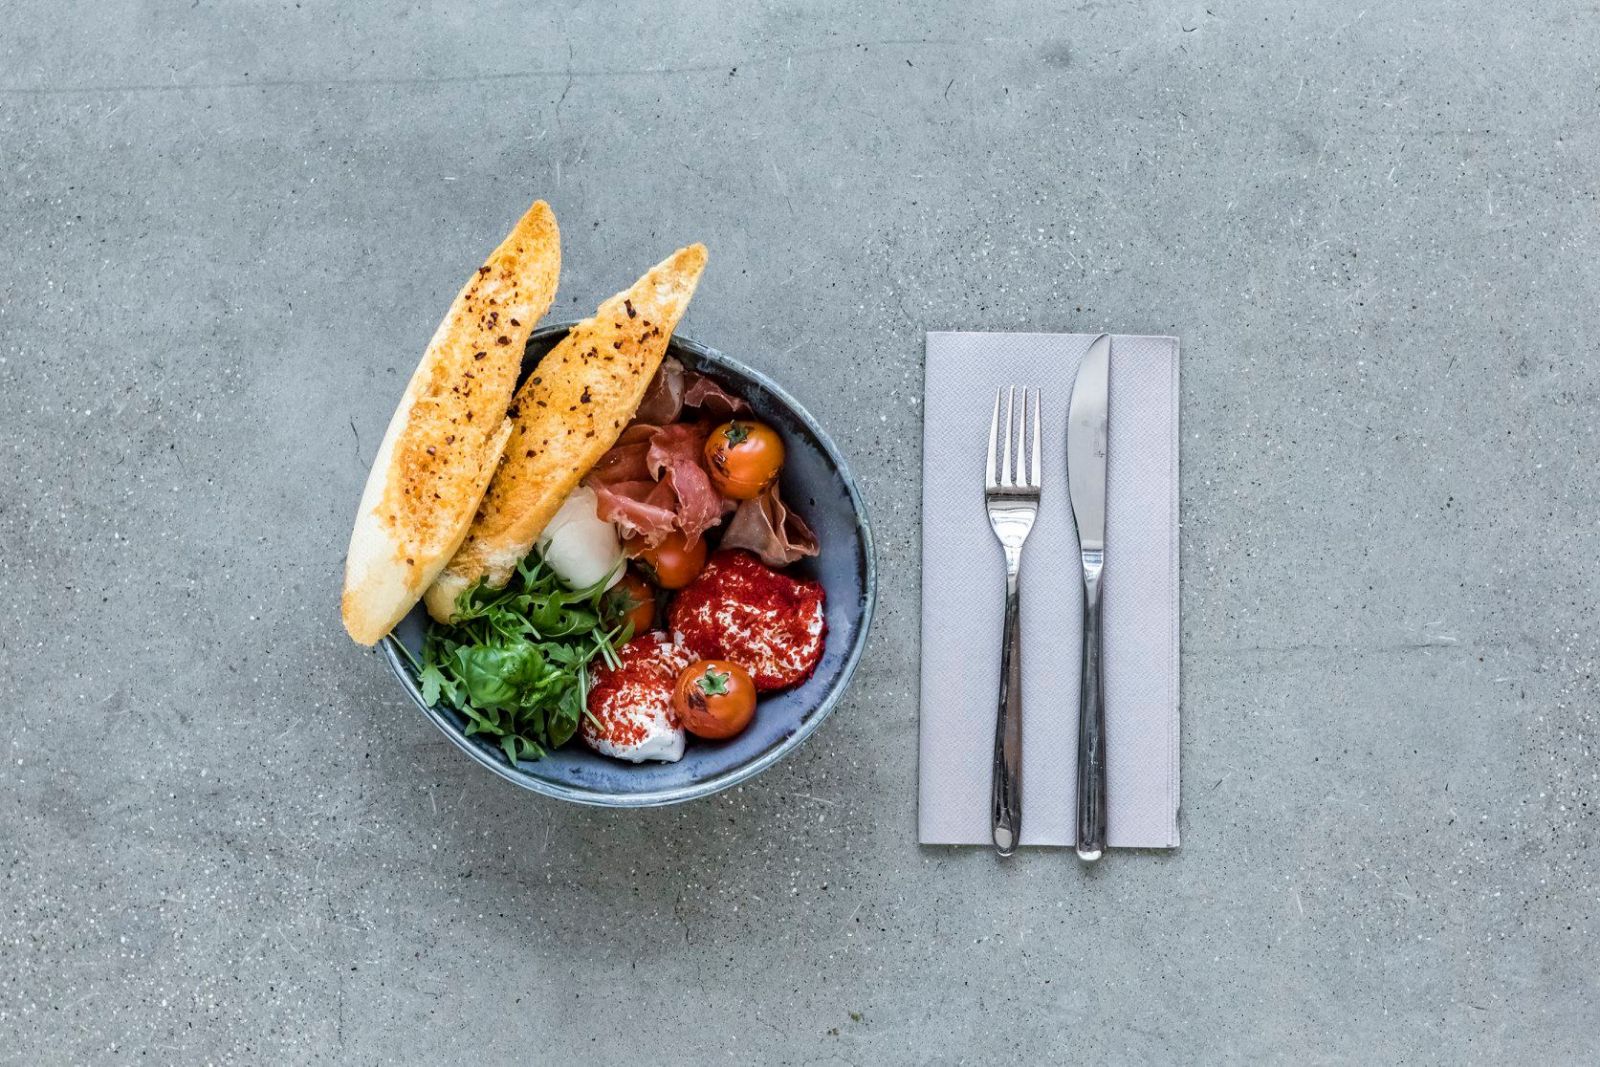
(672, 564)
(632, 600)
(715, 699)
(744, 457)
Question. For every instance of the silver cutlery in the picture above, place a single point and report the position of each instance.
(1011, 494)
(1086, 482)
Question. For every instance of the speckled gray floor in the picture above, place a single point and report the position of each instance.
(230, 228)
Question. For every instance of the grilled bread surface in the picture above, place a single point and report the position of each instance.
(447, 436)
(570, 410)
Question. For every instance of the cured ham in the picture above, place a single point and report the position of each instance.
(765, 526)
(675, 457)
(654, 479)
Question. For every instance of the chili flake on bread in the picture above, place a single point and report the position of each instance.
(568, 413)
(449, 431)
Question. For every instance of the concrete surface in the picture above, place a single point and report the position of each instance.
(230, 228)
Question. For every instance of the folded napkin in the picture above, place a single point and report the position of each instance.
(963, 587)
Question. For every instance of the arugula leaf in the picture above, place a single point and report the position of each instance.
(515, 661)
(564, 719)
(431, 679)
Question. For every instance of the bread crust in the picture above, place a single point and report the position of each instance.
(567, 414)
(449, 431)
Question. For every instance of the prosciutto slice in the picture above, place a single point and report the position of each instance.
(766, 526)
(627, 493)
(663, 399)
(710, 399)
(640, 509)
(628, 459)
(677, 457)
(654, 479)
(675, 388)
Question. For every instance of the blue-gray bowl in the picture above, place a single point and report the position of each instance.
(816, 483)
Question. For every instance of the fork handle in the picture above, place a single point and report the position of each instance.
(1006, 785)
(1091, 733)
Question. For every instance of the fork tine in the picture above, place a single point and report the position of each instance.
(1024, 453)
(989, 476)
(1019, 473)
(1038, 415)
(1010, 476)
(1022, 437)
(1021, 430)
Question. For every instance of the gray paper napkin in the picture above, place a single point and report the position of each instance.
(963, 576)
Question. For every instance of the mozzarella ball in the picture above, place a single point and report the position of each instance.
(579, 546)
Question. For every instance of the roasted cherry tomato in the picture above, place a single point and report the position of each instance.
(632, 600)
(672, 564)
(715, 699)
(744, 457)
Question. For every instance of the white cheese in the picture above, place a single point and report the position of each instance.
(662, 741)
(578, 545)
(630, 714)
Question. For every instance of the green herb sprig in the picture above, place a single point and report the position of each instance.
(515, 661)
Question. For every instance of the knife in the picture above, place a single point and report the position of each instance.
(1086, 481)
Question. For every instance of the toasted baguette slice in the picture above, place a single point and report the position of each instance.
(567, 414)
(447, 435)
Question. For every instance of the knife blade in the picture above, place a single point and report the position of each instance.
(1087, 419)
(1086, 445)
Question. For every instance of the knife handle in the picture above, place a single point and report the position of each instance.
(1005, 791)
(1091, 725)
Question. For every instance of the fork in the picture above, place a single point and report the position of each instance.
(1011, 494)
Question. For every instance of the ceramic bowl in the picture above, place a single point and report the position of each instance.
(816, 483)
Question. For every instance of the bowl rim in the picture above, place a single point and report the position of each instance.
(744, 772)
